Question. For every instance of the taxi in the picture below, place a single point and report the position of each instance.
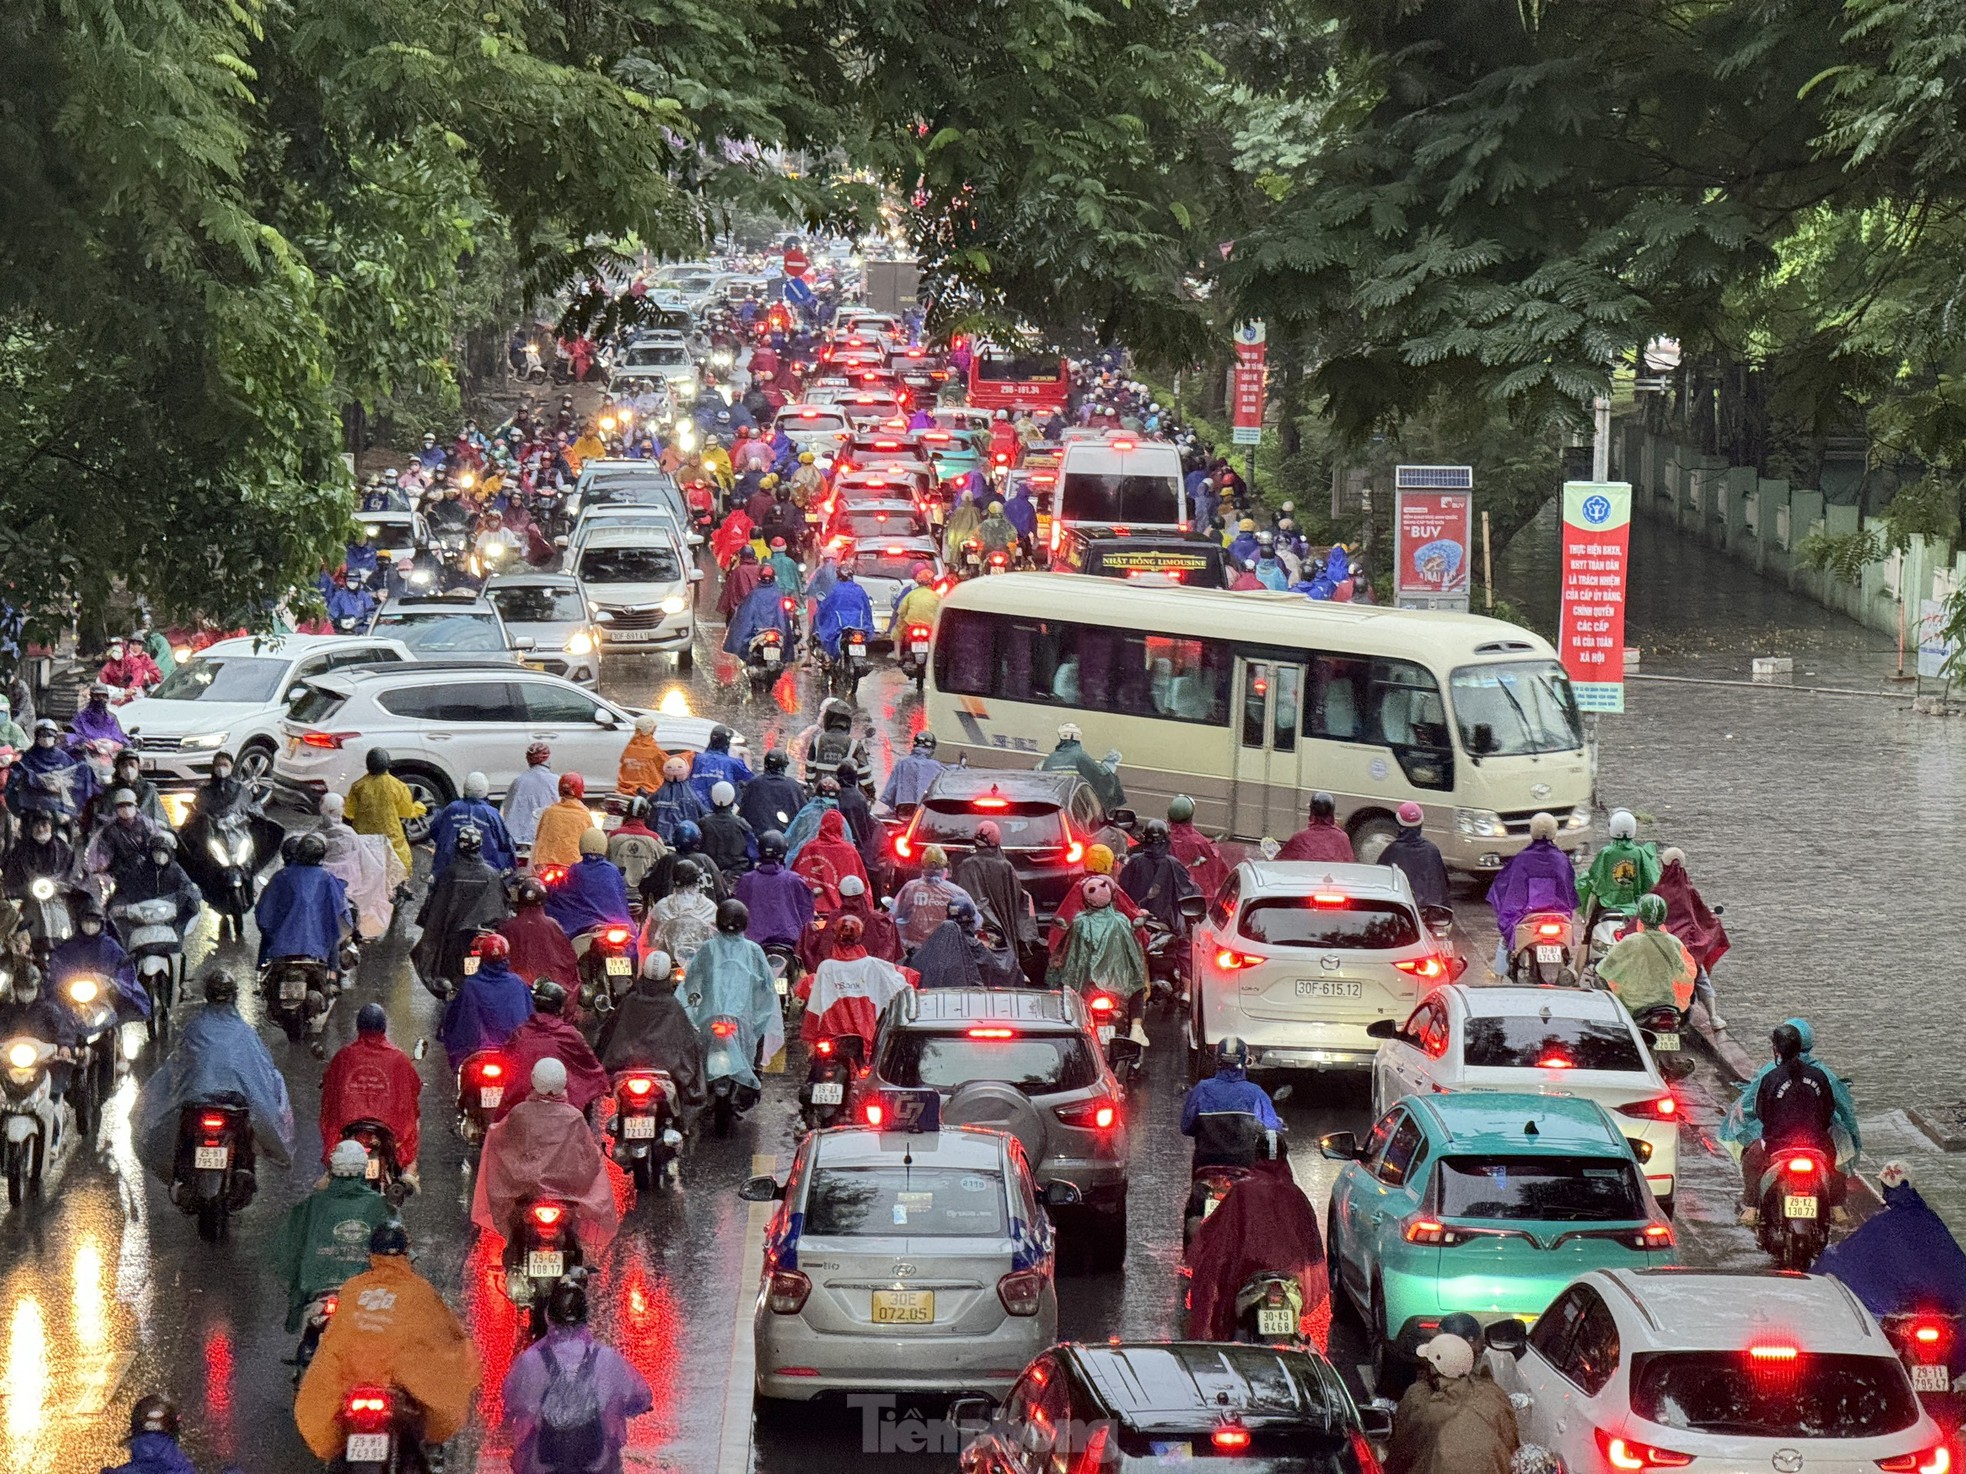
(904, 1256)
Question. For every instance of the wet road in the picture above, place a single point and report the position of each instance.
(1795, 810)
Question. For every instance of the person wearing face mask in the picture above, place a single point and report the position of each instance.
(12, 734)
(129, 774)
(219, 802)
(159, 877)
(129, 670)
(96, 730)
(39, 854)
(94, 952)
(366, 865)
(122, 838)
(49, 779)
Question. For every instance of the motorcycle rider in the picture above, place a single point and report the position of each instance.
(467, 897)
(303, 912)
(498, 546)
(47, 778)
(392, 1330)
(549, 1034)
(1156, 880)
(1694, 923)
(763, 609)
(785, 572)
(878, 932)
(1903, 1261)
(538, 947)
(474, 809)
(1218, 1112)
(121, 840)
(569, 1366)
(325, 1236)
(129, 774)
(379, 803)
(371, 1079)
(682, 920)
(634, 847)
(1454, 1419)
(651, 1030)
(1622, 871)
(771, 799)
(153, 1438)
(556, 842)
(640, 770)
(159, 877)
(1420, 859)
(39, 854)
(849, 990)
(677, 802)
(911, 775)
(489, 1004)
(778, 903)
(1070, 756)
(1195, 850)
(1022, 514)
(1321, 841)
(987, 876)
(95, 727)
(14, 735)
(591, 894)
(1796, 1102)
(727, 839)
(533, 791)
(807, 482)
(542, 1147)
(1243, 547)
(919, 603)
(368, 868)
(1538, 879)
(1263, 1225)
(925, 903)
(716, 763)
(829, 742)
(729, 978)
(1101, 951)
(845, 608)
(94, 952)
(995, 533)
(1648, 966)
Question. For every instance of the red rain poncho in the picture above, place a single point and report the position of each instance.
(545, 1149)
(371, 1078)
(827, 858)
(1265, 1223)
(1689, 918)
(848, 993)
(540, 949)
(1197, 851)
(544, 1035)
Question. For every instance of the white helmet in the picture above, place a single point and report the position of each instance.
(1070, 732)
(549, 1077)
(1623, 825)
(721, 793)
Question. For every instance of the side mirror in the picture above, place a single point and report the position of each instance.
(696, 574)
(1061, 1194)
(1122, 818)
(1484, 739)
(603, 717)
(1126, 1050)
(525, 642)
(560, 541)
(1375, 1419)
(761, 1190)
(1456, 965)
(1194, 907)
(1510, 1337)
(1339, 1146)
(1382, 1028)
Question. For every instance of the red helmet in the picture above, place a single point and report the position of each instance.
(491, 947)
(538, 754)
(572, 785)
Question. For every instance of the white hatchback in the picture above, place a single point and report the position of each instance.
(1652, 1369)
(1536, 1041)
(641, 588)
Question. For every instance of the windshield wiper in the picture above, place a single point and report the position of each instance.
(1502, 685)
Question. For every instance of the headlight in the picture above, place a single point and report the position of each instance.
(83, 990)
(180, 653)
(1480, 822)
(215, 847)
(22, 1056)
(599, 818)
(1579, 818)
(205, 740)
(581, 643)
(675, 604)
(242, 849)
(42, 890)
(496, 551)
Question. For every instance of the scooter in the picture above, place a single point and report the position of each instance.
(646, 1141)
(384, 1173)
(784, 964)
(214, 1175)
(843, 675)
(231, 848)
(1794, 1197)
(299, 992)
(1165, 954)
(1236, 1144)
(87, 999)
(826, 1096)
(48, 919)
(541, 1250)
(150, 934)
(481, 1082)
(314, 1320)
(29, 1118)
(729, 1096)
(1663, 1027)
(911, 653)
(381, 1433)
(1122, 1053)
(606, 967)
(764, 659)
(1542, 951)
(1924, 1342)
(1608, 928)
(1270, 1310)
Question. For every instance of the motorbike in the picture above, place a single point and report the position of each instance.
(1608, 927)
(231, 847)
(1270, 1310)
(1924, 1342)
(29, 1117)
(299, 992)
(825, 1097)
(1108, 1016)
(784, 964)
(1663, 1027)
(606, 967)
(314, 1320)
(646, 1140)
(47, 916)
(1543, 950)
(997, 562)
(100, 754)
(150, 935)
(481, 1082)
(911, 653)
(214, 1176)
(89, 1001)
(972, 560)
(382, 1433)
(1239, 1143)
(729, 1096)
(541, 1250)
(1794, 1226)
(843, 674)
(384, 1173)
(1165, 955)
(764, 659)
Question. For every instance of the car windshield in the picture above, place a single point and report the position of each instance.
(901, 568)
(1022, 829)
(1548, 1189)
(245, 678)
(1300, 921)
(911, 1202)
(1734, 1394)
(1093, 498)
(656, 355)
(536, 604)
(1514, 709)
(442, 631)
(1037, 1064)
(629, 565)
(392, 534)
(1529, 1041)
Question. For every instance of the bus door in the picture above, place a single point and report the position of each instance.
(1264, 799)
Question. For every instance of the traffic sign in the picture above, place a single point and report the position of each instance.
(795, 261)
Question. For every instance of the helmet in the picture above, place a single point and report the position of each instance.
(489, 946)
(1324, 807)
(733, 916)
(549, 1077)
(1099, 859)
(538, 755)
(310, 849)
(934, 857)
(1248, 524)
(989, 835)
(771, 845)
(156, 1413)
(828, 786)
(776, 761)
(476, 785)
(389, 1237)
(1069, 732)
(924, 740)
(1787, 1040)
(567, 1305)
(659, 967)
(720, 736)
(572, 785)
(46, 727)
(377, 762)
(1097, 890)
(1231, 1054)
(995, 509)
(372, 1020)
(847, 930)
(470, 839)
(593, 842)
(645, 724)
(1180, 809)
(688, 836)
(1652, 910)
(722, 794)
(531, 892)
(348, 1159)
(1623, 825)
(924, 575)
(1542, 826)
(768, 575)
(1154, 832)
(163, 840)
(121, 797)
(805, 458)
(548, 996)
(1411, 815)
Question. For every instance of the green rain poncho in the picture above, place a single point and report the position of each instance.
(325, 1239)
(786, 574)
(1623, 871)
(1649, 967)
(1101, 952)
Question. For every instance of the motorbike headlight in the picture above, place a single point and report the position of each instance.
(580, 643)
(22, 1056)
(84, 990)
(1481, 822)
(675, 604)
(204, 741)
(215, 847)
(242, 849)
(42, 889)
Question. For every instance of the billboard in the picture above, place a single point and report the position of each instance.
(1597, 519)
(1433, 533)
(1248, 386)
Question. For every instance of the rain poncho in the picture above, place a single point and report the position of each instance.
(591, 894)
(674, 803)
(1067, 913)
(805, 824)
(1159, 883)
(100, 956)
(640, 769)
(363, 863)
(680, 923)
(1453, 1425)
(878, 936)
(1264, 1224)
(729, 978)
(1689, 918)
(155, 1453)
(827, 858)
(51, 781)
(780, 903)
(531, 793)
(619, 1390)
(370, 1078)
(847, 607)
(1270, 574)
(1101, 952)
(1742, 1125)
(394, 1329)
(1419, 858)
(544, 1148)
(847, 996)
(454, 816)
(217, 1054)
(464, 900)
(549, 1035)
(652, 1030)
(633, 849)
(742, 577)
(1069, 757)
(1622, 871)
(1538, 878)
(714, 764)
(152, 882)
(378, 803)
(556, 840)
(1206, 867)
(964, 519)
(770, 801)
(301, 913)
(1648, 968)
(540, 949)
(989, 879)
(786, 574)
(96, 724)
(956, 957)
(909, 780)
(325, 1238)
(763, 609)
(728, 840)
(925, 903)
(487, 1010)
(1901, 1260)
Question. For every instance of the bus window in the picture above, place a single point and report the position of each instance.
(1055, 663)
(1255, 703)
(1283, 708)
(1336, 699)
(1407, 703)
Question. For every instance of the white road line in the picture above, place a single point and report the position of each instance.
(734, 1445)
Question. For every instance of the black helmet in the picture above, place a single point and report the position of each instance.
(389, 1237)
(1787, 1039)
(221, 986)
(377, 761)
(531, 892)
(771, 845)
(734, 916)
(828, 786)
(776, 761)
(311, 850)
(1323, 806)
(1154, 833)
(289, 847)
(925, 741)
(567, 1305)
(470, 840)
(87, 907)
(720, 736)
(154, 1413)
(548, 996)
(847, 773)
(372, 1019)
(1231, 1054)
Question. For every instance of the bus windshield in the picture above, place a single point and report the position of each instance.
(1516, 709)
(1086, 497)
(1023, 368)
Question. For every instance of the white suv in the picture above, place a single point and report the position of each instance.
(439, 720)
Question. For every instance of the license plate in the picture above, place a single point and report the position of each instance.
(211, 1158)
(1275, 1321)
(1931, 1379)
(618, 967)
(367, 1448)
(857, 650)
(471, 966)
(1106, 1032)
(638, 1128)
(828, 1093)
(771, 655)
(1329, 988)
(1209, 1205)
(904, 1307)
(919, 647)
(1548, 952)
(490, 1097)
(292, 990)
(373, 1170)
(545, 1264)
(1795, 1207)
(535, 665)
(1666, 1043)
(781, 985)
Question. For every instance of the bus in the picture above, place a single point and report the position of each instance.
(1000, 379)
(1251, 702)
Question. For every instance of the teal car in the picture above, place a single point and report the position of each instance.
(1485, 1202)
(953, 451)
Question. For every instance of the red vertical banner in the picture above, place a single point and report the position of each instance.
(1250, 385)
(1596, 545)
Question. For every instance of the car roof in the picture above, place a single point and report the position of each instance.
(911, 545)
(1497, 1122)
(1190, 1385)
(1512, 1002)
(879, 504)
(534, 580)
(952, 1146)
(963, 784)
(930, 1007)
(289, 647)
(1723, 1310)
(460, 602)
(615, 535)
(1301, 877)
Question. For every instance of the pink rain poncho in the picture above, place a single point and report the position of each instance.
(545, 1149)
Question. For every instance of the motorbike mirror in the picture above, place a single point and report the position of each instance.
(761, 1190)
(1507, 1336)
(295, 694)
(422, 1049)
(560, 541)
(1339, 1146)
(1269, 847)
(971, 1416)
(1375, 1418)
(1283, 1093)
(1382, 1028)
(1062, 1194)
(1126, 1051)
(1194, 907)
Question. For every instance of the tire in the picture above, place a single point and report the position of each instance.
(1341, 1298)
(685, 661)
(211, 1221)
(722, 1112)
(1107, 1248)
(254, 763)
(643, 1171)
(1384, 1359)
(1370, 836)
(16, 1177)
(432, 790)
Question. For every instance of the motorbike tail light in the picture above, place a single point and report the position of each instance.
(1022, 1293)
(1423, 967)
(1231, 1438)
(1930, 1335)
(546, 1215)
(552, 874)
(1934, 1460)
(1101, 1113)
(1662, 1108)
(1102, 1003)
(918, 632)
(491, 1070)
(1231, 961)
(1800, 1165)
(723, 1028)
(639, 1085)
(1550, 928)
(1629, 1454)
(211, 1122)
(787, 1292)
(614, 936)
(367, 1407)
(823, 1048)
(330, 1305)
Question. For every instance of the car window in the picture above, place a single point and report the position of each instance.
(1556, 1327)
(1531, 1041)
(364, 655)
(310, 667)
(915, 1202)
(1350, 922)
(316, 704)
(1224, 909)
(538, 604)
(244, 678)
(1429, 1029)
(1037, 1064)
(629, 565)
(1551, 1189)
(1593, 1356)
(1395, 1165)
(434, 632)
(479, 701)
(1019, 829)
(1803, 1395)
(548, 703)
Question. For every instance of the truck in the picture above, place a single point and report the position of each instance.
(893, 286)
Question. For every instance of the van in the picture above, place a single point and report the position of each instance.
(1120, 479)
(642, 589)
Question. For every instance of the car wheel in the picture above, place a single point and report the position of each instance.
(1108, 1231)
(1371, 836)
(1384, 1357)
(685, 660)
(1334, 1274)
(429, 789)
(255, 763)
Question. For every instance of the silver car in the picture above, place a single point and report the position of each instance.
(903, 1261)
(551, 610)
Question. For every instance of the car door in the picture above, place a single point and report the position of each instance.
(1562, 1369)
(1034, 1418)
(1387, 1195)
(1403, 1065)
(568, 719)
(475, 727)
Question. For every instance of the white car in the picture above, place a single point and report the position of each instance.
(665, 357)
(1536, 1041)
(642, 590)
(1299, 960)
(230, 697)
(439, 720)
(625, 514)
(900, 1262)
(819, 428)
(1668, 1368)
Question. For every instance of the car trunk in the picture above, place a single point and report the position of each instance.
(1319, 986)
(958, 1274)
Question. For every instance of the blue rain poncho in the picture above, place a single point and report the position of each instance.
(217, 1054)
(763, 609)
(1903, 1259)
(301, 913)
(488, 1006)
(591, 894)
(846, 607)
(498, 852)
(729, 978)
(1742, 1124)
(100, 956)
(805, 824)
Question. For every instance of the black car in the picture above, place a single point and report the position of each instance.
(1191, 559)
(1046, 819)
(1124, 1409)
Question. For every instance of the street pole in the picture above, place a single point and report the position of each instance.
(1487, 563)
(1601, 444)
(1252, 473)
(1365, 537)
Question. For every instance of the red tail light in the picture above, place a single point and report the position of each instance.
(1930, 1333)
(615, 936)
(1768, 1353)
(876, 1113)
(1329, 898)
(491, 1070)
(330, 1305)
(1423, 967)
(552, 874)
(1368, 1461)
(1430, 1231)
(1555, 1062)
(1664, 1108)
(1102, 1003)
(211, 1123)
(1122, 445)
(823, 1048)
(1550, 928)
(991, 803)
(1801, 1164)
(366, 1408)
(723, 1028)
(639, 1085)
(918, 632)
(1074, 847)
(1101, 1113)
(787, 604)
(786, 1293)
(1231, 1438)
(547, 1214)
(983, 1033)
(326, 740)
(1628, 1454)
(1022, 1293)
(1236, 961)
(904, 849)
(1934, 1460)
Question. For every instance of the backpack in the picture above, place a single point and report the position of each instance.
(572, 1438)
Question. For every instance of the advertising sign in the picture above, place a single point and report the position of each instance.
(1596, 543)
(1249, 385)
(1434, 533)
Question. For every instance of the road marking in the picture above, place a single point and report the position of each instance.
(98, 1382)
(734, 1445)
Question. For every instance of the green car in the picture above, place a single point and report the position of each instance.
(953, 452)
(1486, 1202)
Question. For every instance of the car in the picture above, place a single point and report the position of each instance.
(884, 483)
(913, 1261)
(551, 610)
(1666, 1368)
(952, 453)
(395, 535)
(962, 419)
(865, 321)
(868, 448)
(922, 370)
(230, 697)
(865, 522)
(627, 514)
(1024, 1061)
(665, 359)
(460, 622)
(1482, 1202)
(1568, 1041)
(439, 720)
(871, 406)
(1123, 1407)
(622, 482)
(886, 570)
(1192, 559)
(641, 589)
(819, 428)
(1299, 960)
(1046, 821)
